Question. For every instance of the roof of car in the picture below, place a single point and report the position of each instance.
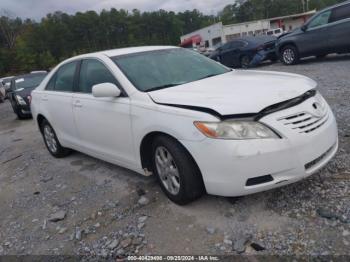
(336, 5)
(28, 75)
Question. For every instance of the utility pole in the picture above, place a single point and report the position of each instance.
(303, 4)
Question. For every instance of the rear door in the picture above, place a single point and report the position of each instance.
(339, 29)
(56, 103)
(315, 40)
(103, 124)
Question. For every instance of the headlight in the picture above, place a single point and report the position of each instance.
(20, 100)
(235, 129)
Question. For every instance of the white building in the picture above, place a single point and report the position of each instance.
(217, 33)
(208, 36)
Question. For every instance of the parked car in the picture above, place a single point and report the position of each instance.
(241, 51)
(197, 125)
(38, 72)
(328, 31)
(275, 32)
(2, 92)
(20, 90)
(6, 82)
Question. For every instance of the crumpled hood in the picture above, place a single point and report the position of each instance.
(236, 92)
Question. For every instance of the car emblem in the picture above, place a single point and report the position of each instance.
(318, 111)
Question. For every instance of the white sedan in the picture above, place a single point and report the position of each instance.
(197, 125)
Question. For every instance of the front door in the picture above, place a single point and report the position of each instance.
(103, 124)
(315, 40)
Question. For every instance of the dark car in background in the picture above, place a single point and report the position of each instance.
(241, 51)
(328, 31)
(20, 92)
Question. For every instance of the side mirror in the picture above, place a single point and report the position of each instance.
(304, 28)
(106, 90)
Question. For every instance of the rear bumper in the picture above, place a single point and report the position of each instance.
(227, 165)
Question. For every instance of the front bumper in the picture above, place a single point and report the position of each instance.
(227, 165)
(25, 109)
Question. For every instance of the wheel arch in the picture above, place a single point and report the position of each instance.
(286, 44)
(146, 146)
(39, 119)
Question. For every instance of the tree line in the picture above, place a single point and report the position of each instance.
(27, 45)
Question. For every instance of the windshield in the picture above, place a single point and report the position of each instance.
(159, 69)
(29, 81)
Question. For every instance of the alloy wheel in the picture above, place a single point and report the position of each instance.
(50, 139)
(245, 62)
(288, 56)
(167, 170)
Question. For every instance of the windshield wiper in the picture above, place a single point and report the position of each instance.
(207, 76)
(162, 87)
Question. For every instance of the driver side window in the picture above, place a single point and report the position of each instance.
(320, 20)
(93, 72)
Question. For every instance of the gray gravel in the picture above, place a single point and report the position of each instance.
(102, 210)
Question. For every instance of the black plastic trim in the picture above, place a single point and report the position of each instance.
(255, 116)
(259, 180)
(285, 104)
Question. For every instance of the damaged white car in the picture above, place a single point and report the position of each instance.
(197, 125)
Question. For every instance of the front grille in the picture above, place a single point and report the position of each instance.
(319, 159)
(304, 122)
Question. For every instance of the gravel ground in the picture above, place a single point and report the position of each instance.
(81, 205)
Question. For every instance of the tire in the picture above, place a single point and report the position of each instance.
(186, 183)
(289, 55)
(20, 116)
(51, 141)
(245, 61)
(17, 111)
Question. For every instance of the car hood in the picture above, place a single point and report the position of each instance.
(296, 31)
(24, 92)
(236, 92)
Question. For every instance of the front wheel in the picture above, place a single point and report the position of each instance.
(289, 55)
(176, 171)
(51, 141)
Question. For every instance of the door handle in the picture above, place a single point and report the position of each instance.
(44, 98)
(78, 104)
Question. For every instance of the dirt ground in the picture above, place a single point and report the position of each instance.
(105, 210)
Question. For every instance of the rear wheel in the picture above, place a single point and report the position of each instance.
(51, 141)
(245, 61)
(176, 171)
(289, 55)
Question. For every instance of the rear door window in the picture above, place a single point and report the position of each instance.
(340, 13)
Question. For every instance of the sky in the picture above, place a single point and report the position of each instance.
(37, 9)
